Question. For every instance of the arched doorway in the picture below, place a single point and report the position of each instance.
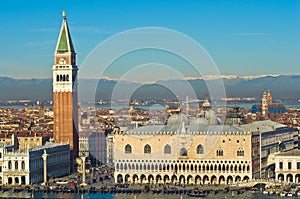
(229, 180)
(143, 179)
(182, 179)
(297, 178)
(222, 180)
(190, 179)
(197, 180)
(289, 177)
(237, 179)
(150, 179)
(166, 179)
(135, 178)
(120, 178)
(17, 180)
(174, 179)
(214, 180)
(23, 180)
(127, 178)
(158, 179)
(205, 179)
(280, 177)
(9, 180)
(246, 179)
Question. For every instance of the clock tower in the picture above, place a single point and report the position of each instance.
(65, 102)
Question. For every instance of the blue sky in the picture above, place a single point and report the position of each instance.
(242, 37)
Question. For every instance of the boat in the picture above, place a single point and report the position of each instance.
(266, 192)
(283, 193)
(217, 191)
(156, 191)
(240, 191)
(198, 195)
(254, 190)
(272, 192)
(226, 190)
(290, 194)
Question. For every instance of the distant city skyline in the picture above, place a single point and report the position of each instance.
(243, 38)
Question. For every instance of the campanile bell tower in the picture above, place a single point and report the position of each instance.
(65, 102)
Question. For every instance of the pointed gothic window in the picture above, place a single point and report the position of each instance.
(23, 165)
(57, 78)
(240, 152)
(219, 152)
(128, 149)
(9, 164)
(200, 149)
(147, 149)
(167, 149)
(183, 152)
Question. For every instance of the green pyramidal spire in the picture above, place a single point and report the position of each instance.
(64, 43)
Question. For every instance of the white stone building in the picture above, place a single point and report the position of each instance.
(27, 166)
(287, 166)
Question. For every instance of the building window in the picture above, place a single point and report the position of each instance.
(16, 165)
(219, 152)
(23, 165)
(0, 169)
(240, 152)
(183, 152)
(128, 149)
(147, 149)
(289, 165)
(200, 149)
(9, 164)
(280, 165)
(167, 149)
(0, 155)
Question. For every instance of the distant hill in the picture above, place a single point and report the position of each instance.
(283, 86)
(25, 89)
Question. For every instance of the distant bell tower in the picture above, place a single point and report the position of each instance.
(264, 104)
(65, 102)
(269, 96)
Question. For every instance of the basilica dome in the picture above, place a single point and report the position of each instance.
(178, 119)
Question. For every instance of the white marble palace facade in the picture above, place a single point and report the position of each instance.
(185, 154)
